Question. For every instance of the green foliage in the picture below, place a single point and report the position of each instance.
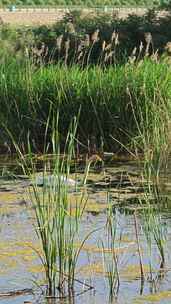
(87, 3)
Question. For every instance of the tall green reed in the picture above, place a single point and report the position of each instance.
(111, 101)
(57, 224)
(110, 259)
(149, 108)
(151, 112)
(155, 232)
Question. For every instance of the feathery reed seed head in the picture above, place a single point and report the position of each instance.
(103, 45)
(95, 36)
(168, 47)
(148, 37)
(113, 36)
(87, 40)
(59, 42)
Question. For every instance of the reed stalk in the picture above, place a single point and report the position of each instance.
(110, 260)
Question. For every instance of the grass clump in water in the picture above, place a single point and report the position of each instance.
(57, 227)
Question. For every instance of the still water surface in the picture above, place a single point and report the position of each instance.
(20, 266)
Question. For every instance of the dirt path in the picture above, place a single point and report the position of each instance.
(39, 16)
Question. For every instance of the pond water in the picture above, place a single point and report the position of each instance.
(21, 271)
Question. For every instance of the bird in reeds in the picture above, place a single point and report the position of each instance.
(54, 180)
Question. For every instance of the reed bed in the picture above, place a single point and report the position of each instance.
(118, 101)
(152, 117)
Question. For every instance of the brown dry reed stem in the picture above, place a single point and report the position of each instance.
(94, 39)
(168, 48)
(149, 42)
(59, 43)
